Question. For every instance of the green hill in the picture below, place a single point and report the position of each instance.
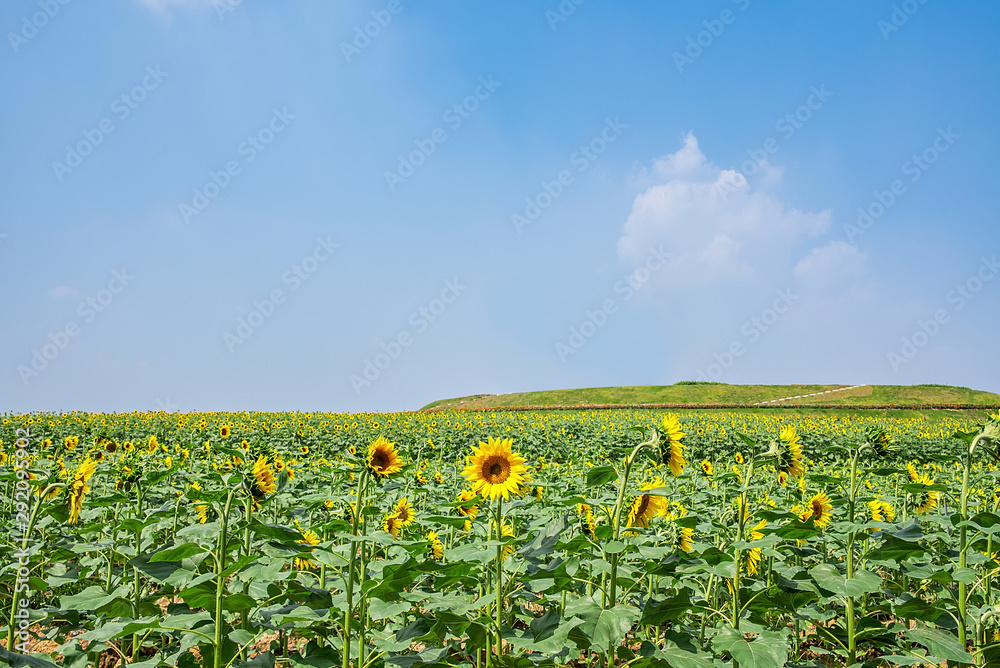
(911, 396)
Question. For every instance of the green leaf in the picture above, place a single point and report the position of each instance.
(177, 553)
(602, 627)
(758, 653)
(32, 660)
(940, 643)
(828, 577)
(667, 610)
(379, 609)
(601, 475)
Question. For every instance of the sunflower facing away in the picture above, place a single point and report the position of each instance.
(819, 510)
(495, 471)
(383, 460)
(262, 483)
(673, 451)
(507, 531)
(789, 452)
(78, 488)
(647, 506)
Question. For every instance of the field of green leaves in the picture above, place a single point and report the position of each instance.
(586, 538)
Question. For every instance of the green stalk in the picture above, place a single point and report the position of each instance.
(963, 546)
(136, 592)
(359, 505)
(24, 546)
(499, 583)
(220, 586)
(852, 650)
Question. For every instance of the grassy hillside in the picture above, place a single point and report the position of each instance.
(720, 393)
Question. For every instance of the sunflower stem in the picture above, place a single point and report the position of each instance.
(356, 516)
(499, 523)
(220, 586)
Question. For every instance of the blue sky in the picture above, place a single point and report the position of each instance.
(223, 205)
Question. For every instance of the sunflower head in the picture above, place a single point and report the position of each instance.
(495, 471)
(671, 449)
(466, 509)
(819, 510)
(706, 467)
(225, 431)
(309, 538)
(787, 452)
(647, 506)
(877, 439)
(261, 483)
(404, 511)
(437, 547)
(383, 459)
(392, 525)
(77, 488)
(738, 457)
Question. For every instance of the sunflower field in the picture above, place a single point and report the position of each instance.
(700, 539)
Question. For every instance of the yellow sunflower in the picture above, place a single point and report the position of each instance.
(647, 506)
(78, 488)
(738, 457)
(670, 429)
(706, 467)
(392, 525)
(225, 430)
(928, 499)
(753, 554)
(790, 452)
(404, 511)
(881, 511)
(262, 483)
(383, 460)
(309, 538)
(495, 471)
(467, 511)
(437, 547)
(819, 510)
(507, 531)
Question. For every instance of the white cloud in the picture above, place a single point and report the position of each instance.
(713, 223)
(61, 291)
(837, 262)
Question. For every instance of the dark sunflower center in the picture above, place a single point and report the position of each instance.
(380, 460)
(496, 470)
(643, 505)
